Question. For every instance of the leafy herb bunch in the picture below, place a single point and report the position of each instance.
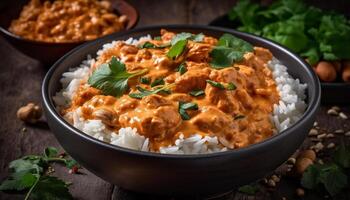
(306, 30)
(30, 175)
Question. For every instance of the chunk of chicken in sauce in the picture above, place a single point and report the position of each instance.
(238, 117)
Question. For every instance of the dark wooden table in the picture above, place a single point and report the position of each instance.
(20, 82)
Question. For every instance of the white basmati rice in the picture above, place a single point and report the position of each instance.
(289, 109)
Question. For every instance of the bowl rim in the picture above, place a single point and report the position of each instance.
(8, 33)
(313, 104)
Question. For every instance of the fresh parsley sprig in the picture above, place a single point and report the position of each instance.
(183, 106)
(228, 50)
(112, 78)
(157, 89)
(29, 174)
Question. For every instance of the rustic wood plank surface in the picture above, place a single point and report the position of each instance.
(20, 82)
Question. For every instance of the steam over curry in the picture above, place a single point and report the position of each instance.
(182, 84)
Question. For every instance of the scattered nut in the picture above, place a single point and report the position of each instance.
(339, 131)
(320, 161)
(24, 129)
(275, 178)
(321, 136)
(330, 145)
(300, 192)
(291, 161)
(310, 154)
(347, 134)
(343, 115)
(30, 113)
(330, 135)
(315, 139)
(313, 132)
(318, 147)
(336, 108)
(271, 183)
(301, 165)
(315, 123)
(332, 112)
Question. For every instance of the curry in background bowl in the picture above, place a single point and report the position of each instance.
(45, 30)
(67, 20)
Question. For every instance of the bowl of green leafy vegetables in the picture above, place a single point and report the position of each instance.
(321, 37)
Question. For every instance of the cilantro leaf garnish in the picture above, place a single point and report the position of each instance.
(29, 174)
(149, 45)
(177, 49)
(182, 68)
(228, 86)
(158, 38)
(187, 36)
(112, 78)
(158, 81)
(239, 117)
(197, 93)
(229, 50)
(231, 86)
(145, 80)
(183, 106)
(216, 84)
(144, 92)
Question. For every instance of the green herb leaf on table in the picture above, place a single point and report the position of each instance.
(183, 106)
(197, 93)
(229, 50)
(50, 188)
(342, 155)
(112, 78)
(330, 176)
(18, 181)
(182, 68)
(27, 175)
(144, 92)
(249, 189)
(50, 152)
(158, 81)
(177, 49)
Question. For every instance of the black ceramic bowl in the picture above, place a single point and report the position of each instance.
(48, 52)
(180, 174)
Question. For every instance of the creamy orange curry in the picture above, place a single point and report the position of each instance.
(238, 115)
